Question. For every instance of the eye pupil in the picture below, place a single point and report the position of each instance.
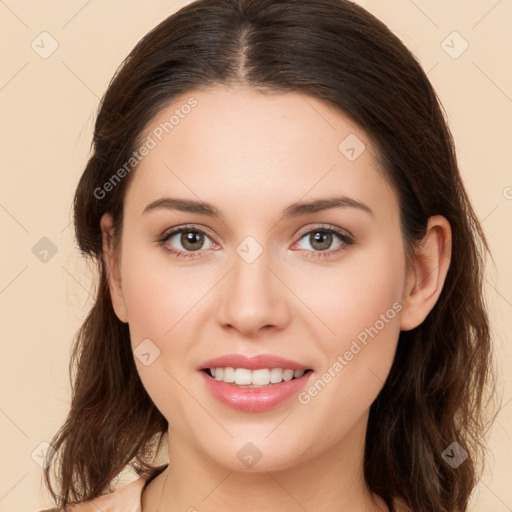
(192, 240)
(322, 238)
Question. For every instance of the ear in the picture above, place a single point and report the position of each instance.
(426, 278)
(112, 267)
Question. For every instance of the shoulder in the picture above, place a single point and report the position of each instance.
(127, 498)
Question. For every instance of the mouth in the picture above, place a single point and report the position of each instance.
(259, 378)
(256, 383)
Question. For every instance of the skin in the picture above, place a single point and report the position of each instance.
(251, 155)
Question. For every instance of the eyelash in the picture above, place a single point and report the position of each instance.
(346, 240)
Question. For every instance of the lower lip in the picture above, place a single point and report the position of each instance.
(254, 399)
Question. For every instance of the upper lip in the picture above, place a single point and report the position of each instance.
(255, 362)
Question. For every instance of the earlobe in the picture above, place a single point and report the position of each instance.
(112, 267)
(426, 278)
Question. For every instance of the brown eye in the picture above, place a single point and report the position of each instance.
(320, 240)
(192, 240)
(183, 242)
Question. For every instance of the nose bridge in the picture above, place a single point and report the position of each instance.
(252, 297)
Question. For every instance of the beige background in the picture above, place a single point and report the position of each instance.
(48, 107)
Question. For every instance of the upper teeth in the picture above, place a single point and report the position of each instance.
(262, 377)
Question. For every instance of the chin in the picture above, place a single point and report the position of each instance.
(256, 456)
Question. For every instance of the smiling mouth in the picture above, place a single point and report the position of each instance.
(244, 377)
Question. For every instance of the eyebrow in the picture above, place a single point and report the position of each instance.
(293, 210)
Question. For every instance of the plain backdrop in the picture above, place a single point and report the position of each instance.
(57, 60)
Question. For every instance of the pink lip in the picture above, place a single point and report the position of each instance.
(254, 399)
(252, 363)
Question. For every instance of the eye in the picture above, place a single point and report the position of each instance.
(189, 242)
(185, 241)
(321, 239)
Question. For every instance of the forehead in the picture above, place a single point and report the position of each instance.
(222, 144)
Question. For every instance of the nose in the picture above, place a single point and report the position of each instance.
(252, 298)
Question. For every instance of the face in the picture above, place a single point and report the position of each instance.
(259, 277)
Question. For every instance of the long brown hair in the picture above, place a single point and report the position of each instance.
(337, 52)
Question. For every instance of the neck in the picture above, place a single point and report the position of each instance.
(330, 481)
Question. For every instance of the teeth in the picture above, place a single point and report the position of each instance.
(229, 375)
(288, 375)
(260, 377)
(276, 375)
(254, 378)
(242, 376)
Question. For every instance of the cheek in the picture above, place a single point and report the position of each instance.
(161, 300)
(156, 301)
(360, 304)
(353, 297)
(156, 293)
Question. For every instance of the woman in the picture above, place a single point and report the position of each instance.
(290, 273)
